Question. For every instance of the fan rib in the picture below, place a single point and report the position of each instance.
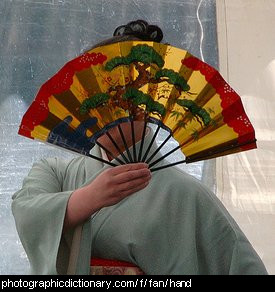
(150, 145)
(102, 160)
(110, 153)
(164, 156)
(125, 144)
(158, 149)
(133, 140)
(117, 147)
(168, 165)
(142, 140)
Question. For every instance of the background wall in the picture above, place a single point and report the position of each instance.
(246, 181)
(37, 38)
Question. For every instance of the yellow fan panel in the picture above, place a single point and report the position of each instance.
(61, 112)
(78, 90)
(173, 57)
(196, 82)
(155, 89)
(40, 133)
(213, 106)
(106, 79)
(124, 50)
(219, 136)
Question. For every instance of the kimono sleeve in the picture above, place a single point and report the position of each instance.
(39, 209)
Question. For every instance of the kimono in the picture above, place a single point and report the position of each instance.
(173, 226)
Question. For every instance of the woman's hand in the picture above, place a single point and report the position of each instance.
(114, 184)
(108, 188)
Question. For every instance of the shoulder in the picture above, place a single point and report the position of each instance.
(59, 167)
(184, 188)
(207, 205)
(188, 184)
(180, 180)
(62, 164)
(70, 173)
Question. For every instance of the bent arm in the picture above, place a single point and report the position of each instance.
(110, 187)
(43, 211)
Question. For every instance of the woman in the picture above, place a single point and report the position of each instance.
(165, 223)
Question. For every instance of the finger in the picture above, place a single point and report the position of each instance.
(134, 190)
(133, 184)
(128, 167)
(132, 175)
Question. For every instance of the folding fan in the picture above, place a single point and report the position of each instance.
(140, 80)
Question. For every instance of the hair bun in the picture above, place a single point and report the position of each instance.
(140, 29)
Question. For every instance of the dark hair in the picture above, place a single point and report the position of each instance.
(134, 30)
(140, 29)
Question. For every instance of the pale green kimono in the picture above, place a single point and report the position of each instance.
(173, 226)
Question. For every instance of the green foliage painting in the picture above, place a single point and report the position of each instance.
(130, 98)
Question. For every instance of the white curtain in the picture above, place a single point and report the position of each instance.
(246, 181)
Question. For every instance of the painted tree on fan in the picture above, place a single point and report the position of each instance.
(130, 98)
